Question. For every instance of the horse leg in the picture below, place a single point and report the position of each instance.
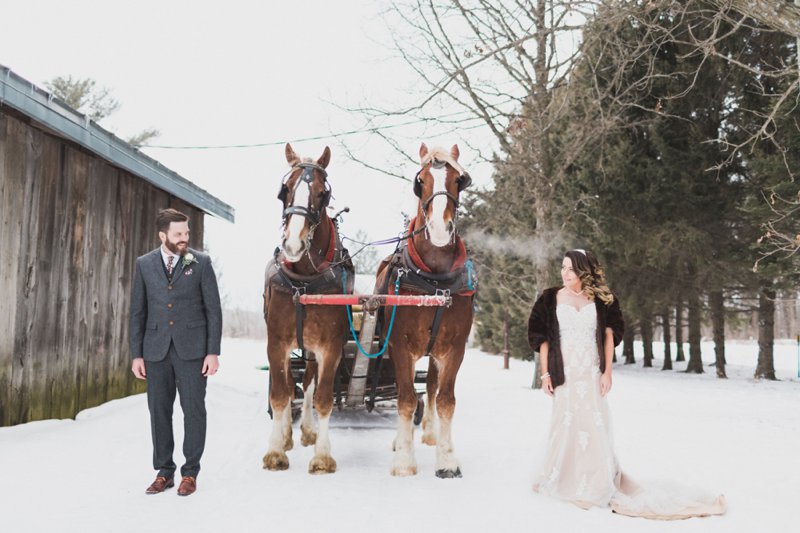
(429, 418)
(323, 462)
(447, 466)
(404, 463)
(308, 433)
(280, 399)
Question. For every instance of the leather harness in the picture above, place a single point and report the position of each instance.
(415, 278)
(327, 281)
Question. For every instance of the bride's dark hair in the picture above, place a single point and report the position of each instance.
(593, 278)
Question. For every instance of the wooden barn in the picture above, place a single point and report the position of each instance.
(77, 206)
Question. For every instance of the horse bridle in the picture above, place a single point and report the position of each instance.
(463, 181)
(313, 215)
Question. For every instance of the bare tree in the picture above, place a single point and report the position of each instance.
(365, 257)
(782, 231)
(507, 65)
(776, 14)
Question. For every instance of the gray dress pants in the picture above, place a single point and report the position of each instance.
(164, 378)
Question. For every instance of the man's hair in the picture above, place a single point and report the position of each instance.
(167, 216)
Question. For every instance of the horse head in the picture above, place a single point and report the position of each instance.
(305, 194)
(438, 185)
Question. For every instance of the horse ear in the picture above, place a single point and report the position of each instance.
(423, 151)
(325, 158)
(454, 152)
(291, 157)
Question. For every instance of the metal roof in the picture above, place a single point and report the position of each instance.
(41, 106)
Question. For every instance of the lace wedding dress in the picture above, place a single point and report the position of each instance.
(580, 465)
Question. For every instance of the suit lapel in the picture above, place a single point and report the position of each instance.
(177, 271)
(157, 263)
(161, 268)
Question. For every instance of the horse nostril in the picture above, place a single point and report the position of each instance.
(450, 227)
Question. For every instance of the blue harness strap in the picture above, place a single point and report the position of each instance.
(353, 329)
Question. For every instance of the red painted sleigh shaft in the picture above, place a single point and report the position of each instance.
(371, 301)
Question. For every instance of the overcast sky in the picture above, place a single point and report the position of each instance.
(251, 72)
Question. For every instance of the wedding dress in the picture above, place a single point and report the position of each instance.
(580, 465)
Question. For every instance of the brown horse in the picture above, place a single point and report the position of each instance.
(312, 261)
(433, 258)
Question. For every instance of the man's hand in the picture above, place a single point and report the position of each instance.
(137, 367)
(210, 365)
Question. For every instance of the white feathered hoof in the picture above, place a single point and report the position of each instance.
(308, 437)
(276, 461)
(404, 471)
(445, 473)
(404, 466)
(322, 464)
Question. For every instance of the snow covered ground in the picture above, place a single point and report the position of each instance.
(737, 436)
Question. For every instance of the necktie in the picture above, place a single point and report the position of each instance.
(169, 265)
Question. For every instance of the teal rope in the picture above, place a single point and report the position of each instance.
(353, 329)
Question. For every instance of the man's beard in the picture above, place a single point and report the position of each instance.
(174, 247)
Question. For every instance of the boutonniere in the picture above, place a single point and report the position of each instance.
(188, 259)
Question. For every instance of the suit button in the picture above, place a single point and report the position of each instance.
(169, 305)
(170, 287)
(171, 322)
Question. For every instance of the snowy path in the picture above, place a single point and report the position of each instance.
(737, 436)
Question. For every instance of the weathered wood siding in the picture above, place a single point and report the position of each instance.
(71, 227)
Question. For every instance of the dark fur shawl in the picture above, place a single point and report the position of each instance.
(543, 326)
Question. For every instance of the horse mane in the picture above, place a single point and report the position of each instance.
(442, 155)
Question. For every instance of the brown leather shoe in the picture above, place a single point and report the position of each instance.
(188, 486)
(160, 485)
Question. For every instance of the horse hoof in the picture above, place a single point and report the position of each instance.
(444, 473)
(308, 438)
(430, 440)
(276, 461)
(322, 464)
(404, 471)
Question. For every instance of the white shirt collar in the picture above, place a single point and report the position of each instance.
(165, 257)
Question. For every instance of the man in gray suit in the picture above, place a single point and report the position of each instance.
(175, 331)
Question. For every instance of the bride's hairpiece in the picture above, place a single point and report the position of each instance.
(580, 250)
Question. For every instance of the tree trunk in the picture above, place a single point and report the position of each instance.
(667, 340)
(537, 372)
(716, 305)
(695, 360)
(679, 357)
(506, 353)
(766, 333)
(627, 345)
(647, 340)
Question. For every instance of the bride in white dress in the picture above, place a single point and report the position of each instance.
(571, 326)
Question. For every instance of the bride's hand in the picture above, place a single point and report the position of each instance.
(547, 385)
(605, 383)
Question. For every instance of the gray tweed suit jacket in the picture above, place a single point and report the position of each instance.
(185, 311)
